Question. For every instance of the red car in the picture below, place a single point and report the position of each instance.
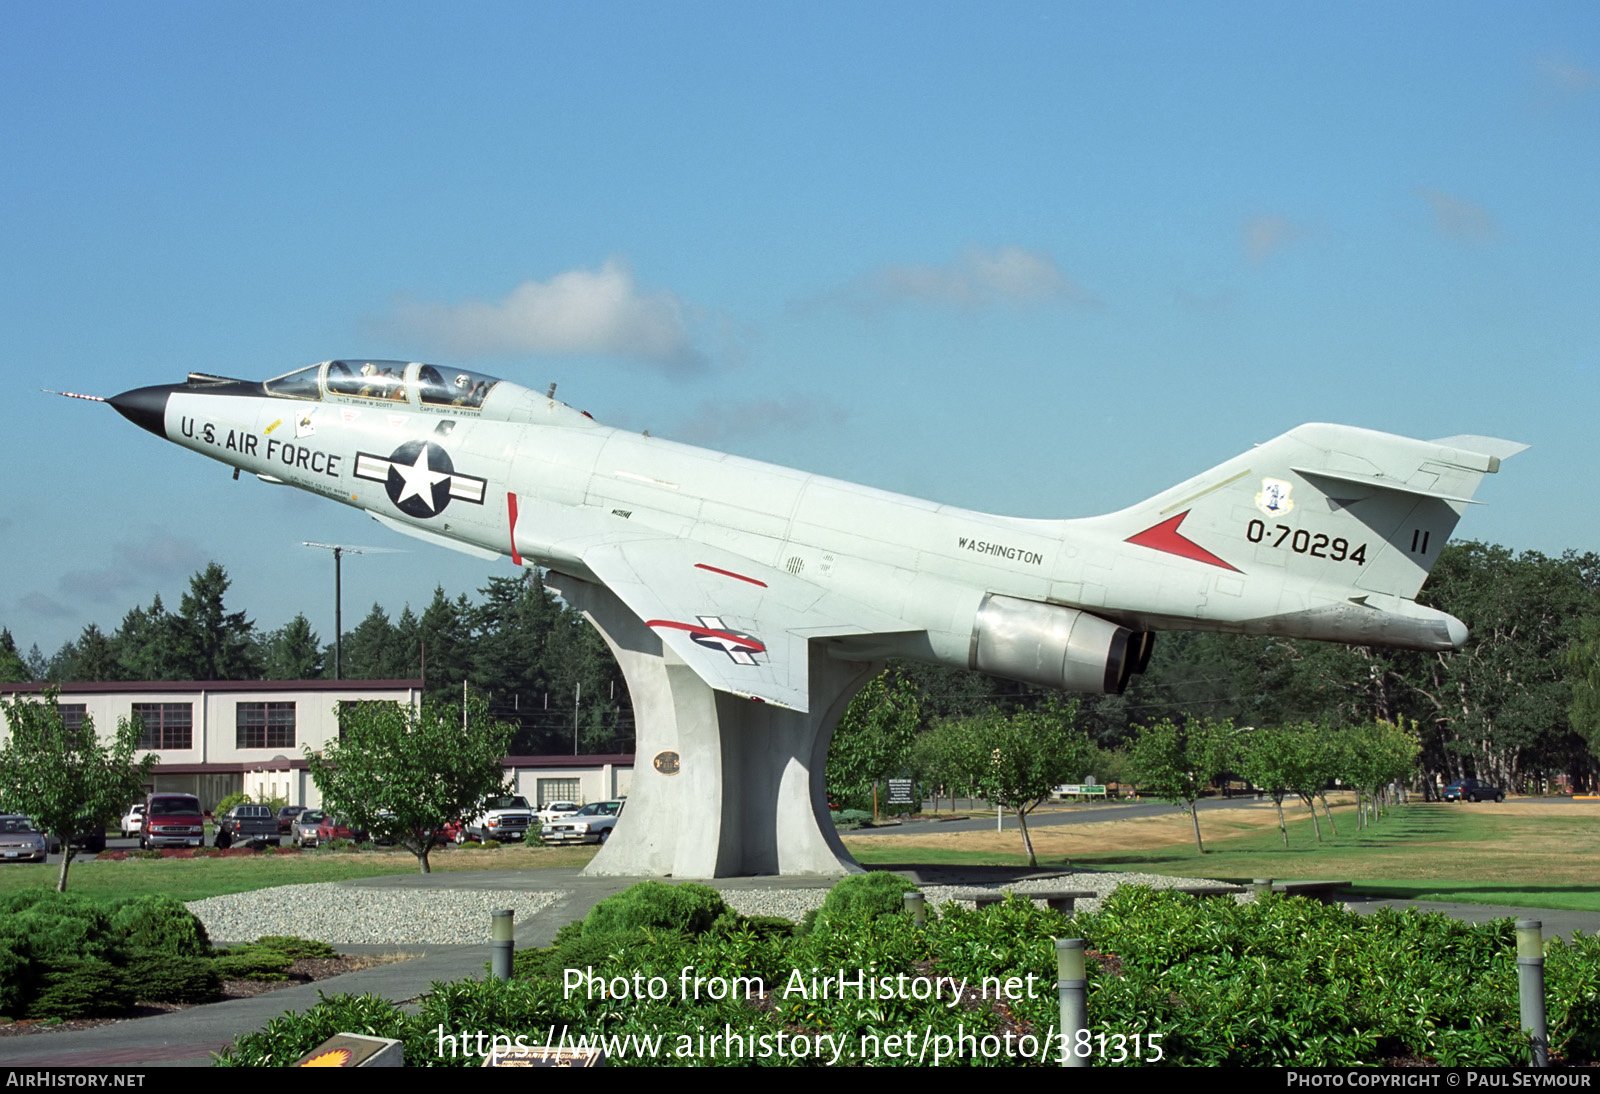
(338, 828)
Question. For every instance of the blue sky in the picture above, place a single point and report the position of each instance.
(1041, 259)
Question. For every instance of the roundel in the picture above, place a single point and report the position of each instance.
(419, 478)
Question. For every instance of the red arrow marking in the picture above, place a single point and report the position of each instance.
(1166, 537)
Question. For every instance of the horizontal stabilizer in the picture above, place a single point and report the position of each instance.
(1354, 479)
(1493, 447)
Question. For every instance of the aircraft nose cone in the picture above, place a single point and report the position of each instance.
(145, 407)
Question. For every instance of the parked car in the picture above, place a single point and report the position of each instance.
(333, 827)
(172, 820)
(303, 829)
(286, 817)
(247, 823)
(133, 821)
(591, 824)
(557, 810)
(1473, 791)
(20, 840)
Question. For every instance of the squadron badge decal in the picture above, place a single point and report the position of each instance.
(1274, 498)
(419, 478)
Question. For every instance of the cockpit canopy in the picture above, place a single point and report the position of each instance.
(412, 383)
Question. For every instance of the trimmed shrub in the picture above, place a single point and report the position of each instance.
(159, 924)
(862, 897)
(293, 946)
(79, 988)
(55, 927)
(14, 987)
(251, 963)
(731, 922)
(689, 908)
(165, 979)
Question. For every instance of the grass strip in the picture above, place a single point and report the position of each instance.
(196, 879)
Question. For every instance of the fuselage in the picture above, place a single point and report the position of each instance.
(494, 468)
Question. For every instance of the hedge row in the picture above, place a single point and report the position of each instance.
(1276, 983)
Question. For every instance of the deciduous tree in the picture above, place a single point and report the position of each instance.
(873, 739)
(66, 778)
(405, 773)
(1015, 760)
(1177, 763)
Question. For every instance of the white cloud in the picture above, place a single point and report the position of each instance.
(977, 279)
(1457, 219)
(600, 312)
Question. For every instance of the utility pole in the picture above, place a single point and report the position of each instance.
(339, 550)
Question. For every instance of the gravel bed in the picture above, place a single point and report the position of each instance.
(795, 903)
(349, 915)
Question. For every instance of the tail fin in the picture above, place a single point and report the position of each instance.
(1333, 512)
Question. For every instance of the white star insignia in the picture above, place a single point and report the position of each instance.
(420, 479)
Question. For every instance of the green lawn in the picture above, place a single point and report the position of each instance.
(1419, 851)
(195, 879)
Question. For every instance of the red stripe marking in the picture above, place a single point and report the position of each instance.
(511, 508)
(729, 573)
(1165, 537)
(693, 628)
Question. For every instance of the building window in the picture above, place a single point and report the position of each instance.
(73, 716)
(265, 725)
(165, 725)
(559, 790)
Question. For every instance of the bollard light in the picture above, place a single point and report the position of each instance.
(1530, 987)
(1072, 992)
(917, 905)
(502, 943)
(1070, 962)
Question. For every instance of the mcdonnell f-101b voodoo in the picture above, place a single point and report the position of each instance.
(785, 589)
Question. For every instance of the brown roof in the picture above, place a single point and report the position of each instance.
(103, 687)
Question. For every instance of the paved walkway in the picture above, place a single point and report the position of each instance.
(188, 1038)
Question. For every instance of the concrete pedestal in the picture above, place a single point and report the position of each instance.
(722, 786)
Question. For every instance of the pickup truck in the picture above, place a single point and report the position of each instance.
(247, 823)
(505, 819)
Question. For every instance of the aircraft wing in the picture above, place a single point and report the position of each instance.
(743, 627)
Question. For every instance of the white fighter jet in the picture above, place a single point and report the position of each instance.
(1326, 532)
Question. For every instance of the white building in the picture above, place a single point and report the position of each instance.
(219, 737)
